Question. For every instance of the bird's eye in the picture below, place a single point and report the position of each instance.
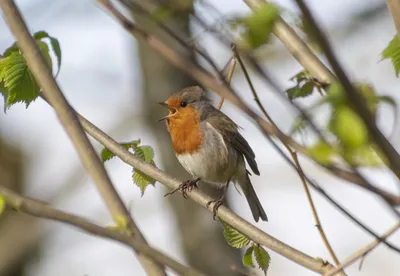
(183, 104)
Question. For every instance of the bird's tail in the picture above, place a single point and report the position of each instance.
(251, 196)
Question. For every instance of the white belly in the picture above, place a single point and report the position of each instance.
(209, 167)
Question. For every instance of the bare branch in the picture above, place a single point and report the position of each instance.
(70, 122)
(42, 210)
(363, 251)
(394, 8)
(353, 95)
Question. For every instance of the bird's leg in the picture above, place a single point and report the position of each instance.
(187, 185)
(220, 201)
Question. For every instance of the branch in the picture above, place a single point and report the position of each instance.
(209, 81)
(394, 8)
(353, 95)
(69, 120)
(266, 128)
(297, 47)
(232, 65)
(294, 157)
(362, 252)
(42, 210)
(196, 195)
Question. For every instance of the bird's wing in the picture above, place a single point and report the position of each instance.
(230, 132)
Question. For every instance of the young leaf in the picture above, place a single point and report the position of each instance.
(234, 237)
(248, 256)
(12, 49)
(121, 225)
(262, 257)
(392, 52)
(362, 156)
(2, 204)
(348, 127)
(322, 153)
(45, 51)
(19, 81)
(144, 152)
(55, 45)
(335, 94)
(259, 24)
(107, 155)
(142, 180)
(303, 91)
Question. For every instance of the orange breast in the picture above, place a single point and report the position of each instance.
(184, 128)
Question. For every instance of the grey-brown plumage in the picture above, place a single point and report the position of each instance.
(220, 157)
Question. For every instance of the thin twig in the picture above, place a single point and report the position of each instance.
(353, 95)
(40, 209)
(228, 79)
(209, 81)
(293, 154)
(363, 251)
(318, 223)
(70, 122)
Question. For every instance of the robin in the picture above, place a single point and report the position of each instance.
(209, 146)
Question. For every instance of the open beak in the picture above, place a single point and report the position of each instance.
(172, 111)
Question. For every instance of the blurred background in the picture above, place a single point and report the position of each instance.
(115, 82)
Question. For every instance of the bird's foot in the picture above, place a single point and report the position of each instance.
(217, 204)
(186, 186)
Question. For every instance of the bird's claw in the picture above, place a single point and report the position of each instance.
(217, 204)
(186, 186)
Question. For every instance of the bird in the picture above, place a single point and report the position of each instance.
(208, 145)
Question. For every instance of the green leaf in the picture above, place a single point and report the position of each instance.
(2, 204)
(322, 153)
(19, 81)
(106, 154)
(335, 94)
(142, 180)
(145, 152)
(3, 62)
(248, 258)
(121, 225)
(392, 52)
(259, 24)
(262, 257)
(234, 237)
(45, 51)
(55, 45)
(299, 124)
(348, 127)
(362, 156)
(300, 92)
(12, 49)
